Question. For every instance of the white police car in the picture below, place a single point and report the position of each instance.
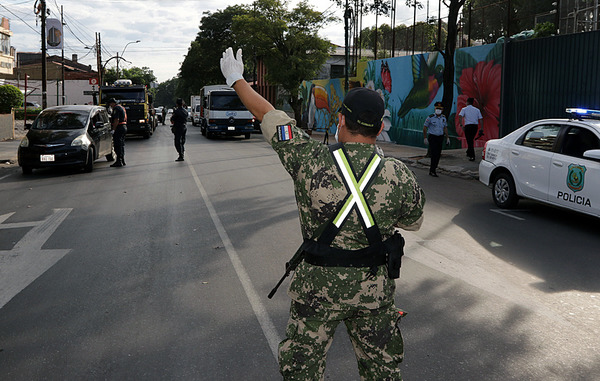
(556, 161)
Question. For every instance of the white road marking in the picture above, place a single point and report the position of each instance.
(27, 261)
(265, 321)
(507, 214)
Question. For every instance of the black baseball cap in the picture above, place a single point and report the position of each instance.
(364, 107)
(111, 100)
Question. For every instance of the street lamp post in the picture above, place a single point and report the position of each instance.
(126, 45)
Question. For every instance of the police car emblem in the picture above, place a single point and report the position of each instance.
(284, 132)
(575, 177)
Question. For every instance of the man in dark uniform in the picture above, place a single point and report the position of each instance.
(178, 120)
(164, 115)
(434, 131)
(119, 128)
(350, 200)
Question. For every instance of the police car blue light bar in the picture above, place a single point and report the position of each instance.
(584, 112)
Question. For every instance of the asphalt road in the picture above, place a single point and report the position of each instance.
(160, 270)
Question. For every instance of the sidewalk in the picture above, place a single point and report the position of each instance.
(8, 148)
(454, 162)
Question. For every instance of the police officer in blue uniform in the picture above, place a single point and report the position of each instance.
(434, 131)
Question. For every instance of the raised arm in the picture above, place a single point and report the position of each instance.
(233, 70)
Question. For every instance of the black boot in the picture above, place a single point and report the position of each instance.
(180, 158)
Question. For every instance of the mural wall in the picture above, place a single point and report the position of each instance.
(410, 86)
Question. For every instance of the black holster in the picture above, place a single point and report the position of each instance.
(394, 247)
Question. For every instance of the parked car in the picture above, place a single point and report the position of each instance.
(555, 161)
(158, 111)
(32, 105)
(67, 136)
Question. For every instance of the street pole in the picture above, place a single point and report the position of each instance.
(62, 23)
(347, 48)
(44, 73)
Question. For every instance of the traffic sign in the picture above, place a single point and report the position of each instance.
(93, 81)
(90, 92)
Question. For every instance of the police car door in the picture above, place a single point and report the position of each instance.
(530, 160)
(575, 180)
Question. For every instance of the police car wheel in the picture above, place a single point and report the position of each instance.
(504, 192)
(27, 170)
(247, 136)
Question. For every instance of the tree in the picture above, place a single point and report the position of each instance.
(166, 93)
(287, 42)
(138, 76)
(10, 96)
(201, 64)
(448, 54)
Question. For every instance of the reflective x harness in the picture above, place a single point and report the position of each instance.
(320, 252)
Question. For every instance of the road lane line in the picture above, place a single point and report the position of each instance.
(504, 213)
(265, 321)
(26, 261)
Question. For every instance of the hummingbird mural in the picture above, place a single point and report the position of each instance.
(427, 79)
(386, 77)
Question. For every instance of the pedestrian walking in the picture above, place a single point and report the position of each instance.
(119, 129)
(351, 200)
(164, 115)
(434, 131)
(470, 118)
(179, 129)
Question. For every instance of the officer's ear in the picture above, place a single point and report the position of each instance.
(381, 129)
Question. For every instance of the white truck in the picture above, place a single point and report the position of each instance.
(195, 104)
(223, 113)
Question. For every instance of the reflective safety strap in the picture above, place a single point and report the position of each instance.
(356, 188)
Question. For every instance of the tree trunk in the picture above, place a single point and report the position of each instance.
(448, 54)
(296, 104)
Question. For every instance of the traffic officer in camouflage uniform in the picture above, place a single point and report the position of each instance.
(343, 193)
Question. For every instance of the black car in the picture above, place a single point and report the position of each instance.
(67, 136)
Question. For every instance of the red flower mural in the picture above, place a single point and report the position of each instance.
(483, 83)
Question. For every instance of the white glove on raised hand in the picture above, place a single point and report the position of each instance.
(231, 67)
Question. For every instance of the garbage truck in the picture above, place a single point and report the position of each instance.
(137, 101)
(223, 113)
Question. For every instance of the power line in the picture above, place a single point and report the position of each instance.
(17, 16)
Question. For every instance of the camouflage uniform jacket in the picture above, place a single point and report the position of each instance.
(394, 196)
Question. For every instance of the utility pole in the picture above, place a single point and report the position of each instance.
(44, 72)
(62, 23)
(347, 15)
(99, 58)
(117, 65)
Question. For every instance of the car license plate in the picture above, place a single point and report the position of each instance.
(46, 157)
(231, 128)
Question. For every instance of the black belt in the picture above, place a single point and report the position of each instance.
(319, 254)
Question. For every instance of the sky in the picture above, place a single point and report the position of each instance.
(165, 28)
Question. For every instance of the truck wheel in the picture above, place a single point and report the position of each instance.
(147, 135)
(504, 191)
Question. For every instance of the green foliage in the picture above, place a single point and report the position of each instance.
(139, 76)
(166, 93)
(10, 96)
(201, 64)
(545, 29)
(31, 113)
(287, 42)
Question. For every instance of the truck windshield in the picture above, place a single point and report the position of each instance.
(123, 95)
(226, 102)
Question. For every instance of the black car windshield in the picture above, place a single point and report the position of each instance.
(226, 102)
(60, 120)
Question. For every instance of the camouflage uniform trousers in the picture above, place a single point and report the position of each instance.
(375, 336)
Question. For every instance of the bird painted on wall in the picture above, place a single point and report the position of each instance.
(386, 77)
(427, 79)
(317, 99)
